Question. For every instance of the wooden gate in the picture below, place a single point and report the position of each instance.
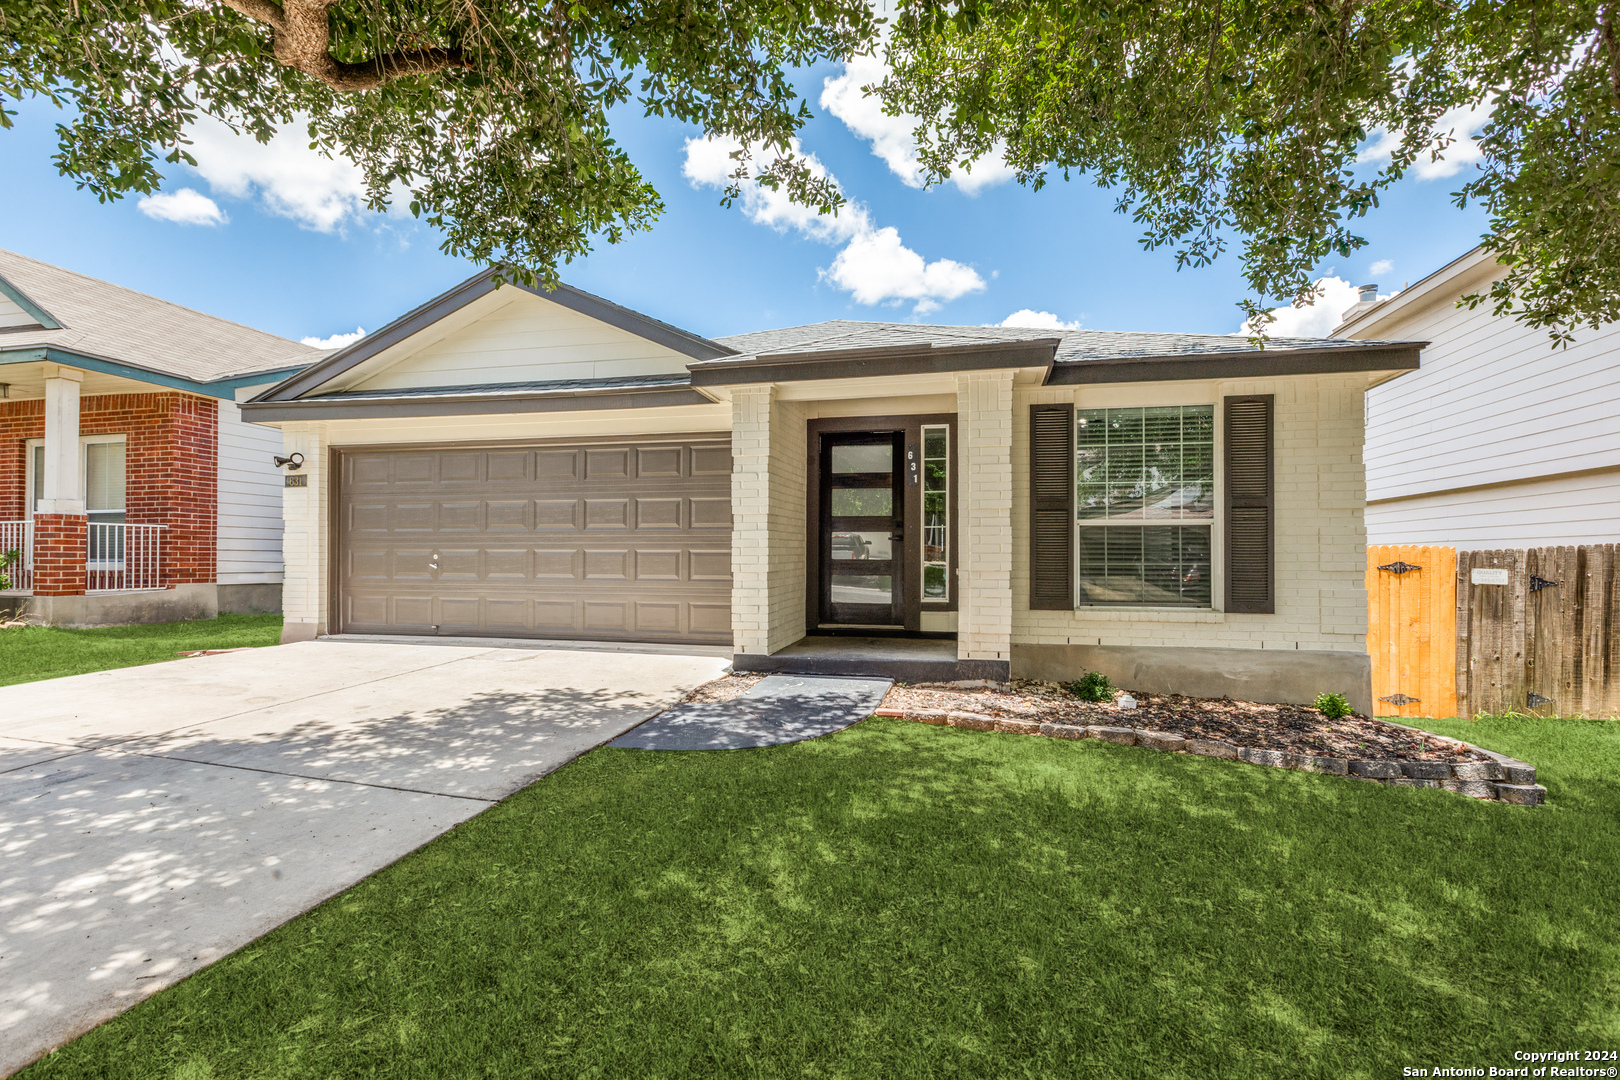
(1543, 641)
(1411, 621)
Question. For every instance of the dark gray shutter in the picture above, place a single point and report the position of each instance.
(1250, 506)
(1051, 507)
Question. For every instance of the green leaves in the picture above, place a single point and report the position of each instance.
(1249, 119)
(506, 149)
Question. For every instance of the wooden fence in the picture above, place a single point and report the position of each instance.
(1463, 633)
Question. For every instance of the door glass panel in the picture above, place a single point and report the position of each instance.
(860, 546)
(863, 589)
(862, 502)
(863, 459)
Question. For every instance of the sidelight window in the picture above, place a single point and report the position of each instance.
(936, 487)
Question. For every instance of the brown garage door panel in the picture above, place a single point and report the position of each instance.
(626, 541)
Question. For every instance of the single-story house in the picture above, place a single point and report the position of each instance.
(130, 486)
(1502, 440)
(1180, 511)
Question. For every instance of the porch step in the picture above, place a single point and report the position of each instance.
(910, 660)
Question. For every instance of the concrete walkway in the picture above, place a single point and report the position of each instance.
(154, 819)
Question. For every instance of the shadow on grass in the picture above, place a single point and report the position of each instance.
(905, 900)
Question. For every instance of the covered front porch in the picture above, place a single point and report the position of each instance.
(98, 493)
(872, 525)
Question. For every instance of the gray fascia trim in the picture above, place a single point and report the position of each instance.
(481, 284)
(219, 388)
(464, 405)
(876, 363)
(20, 298)
(411, 322)
(1343, 359)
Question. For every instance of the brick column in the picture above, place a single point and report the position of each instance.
(61, 529)
(768, 557)
(984, 440)
(59, 554)
(750, 518)
(306, 544)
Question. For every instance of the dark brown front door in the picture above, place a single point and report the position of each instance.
(862, 523)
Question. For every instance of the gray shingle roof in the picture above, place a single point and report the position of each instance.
(1076, 346)
(114, 323)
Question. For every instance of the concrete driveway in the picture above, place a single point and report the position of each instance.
(154, 819)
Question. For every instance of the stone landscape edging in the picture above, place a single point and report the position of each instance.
(1501, 778)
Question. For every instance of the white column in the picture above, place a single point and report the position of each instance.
(306, 532)
(61, 487)
(984, 440)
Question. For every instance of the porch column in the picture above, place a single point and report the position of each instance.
(984, 586)
(768, 557)
(306, 535)
(60, 525)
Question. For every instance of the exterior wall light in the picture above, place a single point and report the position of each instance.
(293, 461)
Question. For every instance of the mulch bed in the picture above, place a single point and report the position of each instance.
(1295, 728)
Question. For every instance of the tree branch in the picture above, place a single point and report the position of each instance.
(301, 39)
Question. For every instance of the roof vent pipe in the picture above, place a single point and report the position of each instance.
(1369, 294)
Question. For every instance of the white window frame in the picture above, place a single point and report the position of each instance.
(84, 470)
(1216, 524)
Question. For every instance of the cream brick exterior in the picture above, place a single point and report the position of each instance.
(985, 437)
(768, 558)
(306, 532)
(1320, 532)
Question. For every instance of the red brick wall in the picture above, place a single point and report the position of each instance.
(59, 541)
(171, 462)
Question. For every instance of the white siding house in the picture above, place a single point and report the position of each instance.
(1500, 440)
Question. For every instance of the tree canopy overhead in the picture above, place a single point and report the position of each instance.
(1219, 122)
(1223, 119)
(492, 113)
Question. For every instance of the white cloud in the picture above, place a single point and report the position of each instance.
(1380, 268)
(875, 266)
(185, 207)
(336, 341)
(1319, 318)
(1462, 124)
(709, 162)
(1029, 318)
(892, 136)
(289, 178)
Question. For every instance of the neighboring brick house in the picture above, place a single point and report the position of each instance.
(1182, 512)
(129, 483)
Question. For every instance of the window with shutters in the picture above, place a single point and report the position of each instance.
(1144, 505)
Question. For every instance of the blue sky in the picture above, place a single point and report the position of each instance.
(289, 250)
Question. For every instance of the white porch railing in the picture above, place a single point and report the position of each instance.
(120, 558)
(18, 536)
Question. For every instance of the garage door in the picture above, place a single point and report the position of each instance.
(599, 541)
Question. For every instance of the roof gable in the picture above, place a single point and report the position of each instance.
(483, 333)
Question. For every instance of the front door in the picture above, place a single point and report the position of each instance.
(862, 518)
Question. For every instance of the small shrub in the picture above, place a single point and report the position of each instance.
(1333, 706)
(1092, 686)
(6, 559)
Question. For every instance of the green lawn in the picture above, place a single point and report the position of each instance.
(45, 652)
(900, 900)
